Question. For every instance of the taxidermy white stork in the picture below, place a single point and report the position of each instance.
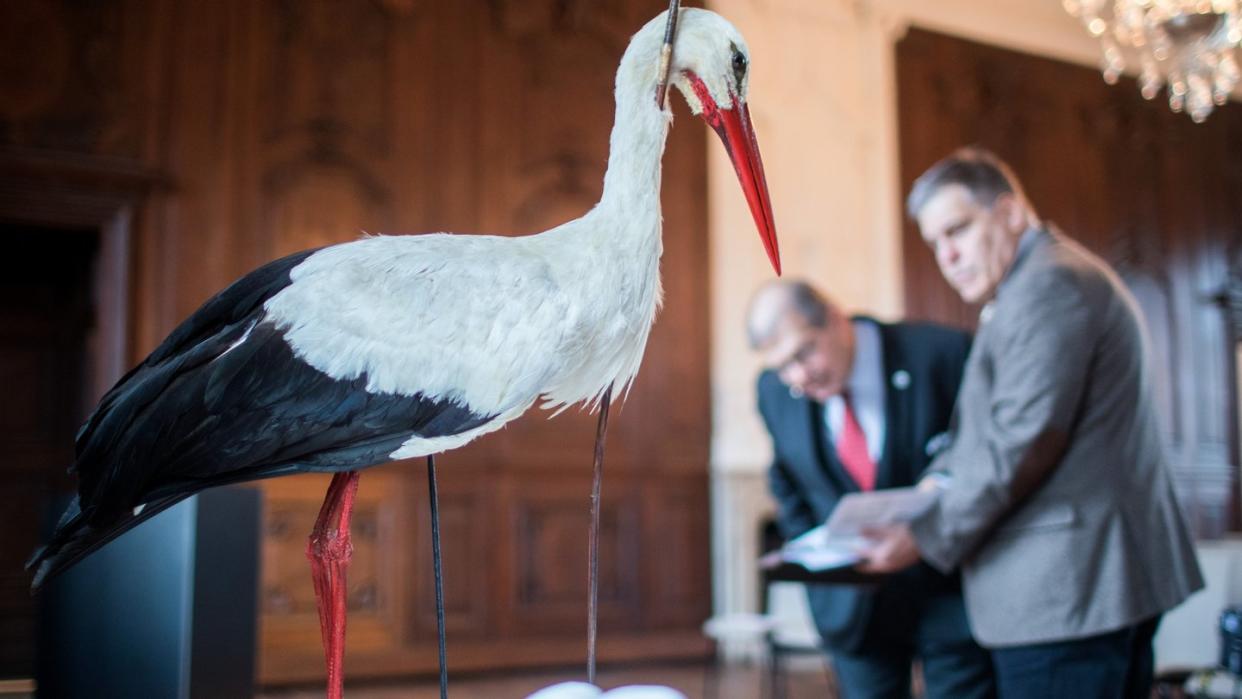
(394, 347)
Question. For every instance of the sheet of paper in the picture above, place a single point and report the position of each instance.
(816, 550)
(823, 558)
(839, 542)
(858, 511)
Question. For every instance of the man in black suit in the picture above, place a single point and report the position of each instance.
(853, 404)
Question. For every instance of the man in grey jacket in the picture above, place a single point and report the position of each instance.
(1057, 503)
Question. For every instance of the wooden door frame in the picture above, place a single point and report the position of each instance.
(73, 192)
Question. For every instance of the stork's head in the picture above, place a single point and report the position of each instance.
(711, 69)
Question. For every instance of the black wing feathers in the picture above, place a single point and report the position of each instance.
(229, 307)
(224, 399)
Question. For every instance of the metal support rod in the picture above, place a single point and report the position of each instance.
(593, 546)
(666, 52)
(435, 554)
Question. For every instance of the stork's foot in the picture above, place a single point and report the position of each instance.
(329, 551)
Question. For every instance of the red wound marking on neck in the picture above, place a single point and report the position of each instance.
(711, 111)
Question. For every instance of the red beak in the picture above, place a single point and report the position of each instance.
(738, 135)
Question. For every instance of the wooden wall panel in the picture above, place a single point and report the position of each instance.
(236, 132)
(548, 535)
(467, 524)
(376, 596)
(66, 76)
(1156, 195)
(674, 523)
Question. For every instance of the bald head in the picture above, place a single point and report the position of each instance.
(780, 301)
(802, 336)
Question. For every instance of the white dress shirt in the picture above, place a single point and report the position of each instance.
(866, 389)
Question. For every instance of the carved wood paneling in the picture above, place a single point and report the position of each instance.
(1156, 195)
(549, 517)
(234, 132)
(320, 202)
(64, 74)
(327, 83)
(376, 594)
(675, 519)
(467, 523)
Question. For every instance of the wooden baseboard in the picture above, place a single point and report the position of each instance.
(14, 689)
(479, 656)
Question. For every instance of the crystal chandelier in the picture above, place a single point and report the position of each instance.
(1191, 45)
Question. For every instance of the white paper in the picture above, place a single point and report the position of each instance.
(858, 511)
(815, 550)
(839, 542)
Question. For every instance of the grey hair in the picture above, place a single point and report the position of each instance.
(977, 169)
(775, 300)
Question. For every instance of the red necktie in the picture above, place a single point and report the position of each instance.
(852, 449)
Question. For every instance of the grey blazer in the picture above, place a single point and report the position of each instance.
(1060, 510)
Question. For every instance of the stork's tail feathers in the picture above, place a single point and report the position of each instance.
(74, 538)
(59, 553)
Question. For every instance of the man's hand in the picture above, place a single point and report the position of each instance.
(892, 548)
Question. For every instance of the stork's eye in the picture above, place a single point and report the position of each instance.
(739, 66)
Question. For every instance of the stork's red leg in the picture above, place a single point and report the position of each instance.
(329, 551)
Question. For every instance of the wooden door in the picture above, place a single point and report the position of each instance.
(45, 319)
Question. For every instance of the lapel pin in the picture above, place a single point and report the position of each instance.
(901, 379)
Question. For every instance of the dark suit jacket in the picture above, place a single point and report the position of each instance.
(922, 367)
